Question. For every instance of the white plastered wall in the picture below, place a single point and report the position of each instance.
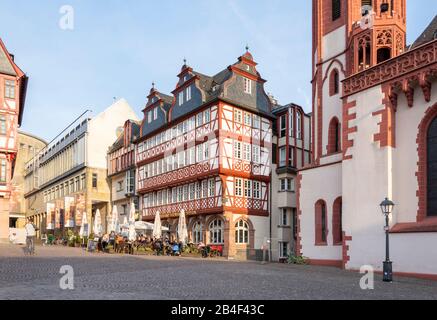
(261, 226)
(374, 173)
(323, 183)
(102, 132)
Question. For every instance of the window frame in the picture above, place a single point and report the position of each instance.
(216, 232)
(336, 9)
(247, 85)
(242, 232)
(9, 87)
(3, 125)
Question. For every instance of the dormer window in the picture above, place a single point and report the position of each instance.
(247, 86)
(153, 100)
(188, 93)
(155, 113)
(181, 98)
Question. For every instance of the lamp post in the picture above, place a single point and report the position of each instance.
(387, 208)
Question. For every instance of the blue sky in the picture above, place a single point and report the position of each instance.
(118, 48)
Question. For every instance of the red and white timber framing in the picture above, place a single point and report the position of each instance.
(223, 166)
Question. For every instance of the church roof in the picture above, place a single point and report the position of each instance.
(429, 34)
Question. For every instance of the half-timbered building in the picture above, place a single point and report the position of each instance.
(13, 86)
(206, 150)
(292, 151)
(121, 169)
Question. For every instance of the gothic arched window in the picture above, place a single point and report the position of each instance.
(321, 223)
(334, 134)
(337, 222)
(334, 82)
(336, 9)
(431, 144)
(383, 54)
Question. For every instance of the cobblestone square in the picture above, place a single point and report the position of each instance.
(98, 276)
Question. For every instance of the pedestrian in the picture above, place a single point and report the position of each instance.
(30, 236)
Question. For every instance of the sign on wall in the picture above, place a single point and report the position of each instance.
(59, 212)
(69, 208)
(80, 208)
(50, 216)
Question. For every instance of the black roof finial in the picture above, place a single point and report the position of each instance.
(153, 85)
(247, 47)
(185, 61)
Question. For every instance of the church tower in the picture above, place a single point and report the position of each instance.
(349, 36)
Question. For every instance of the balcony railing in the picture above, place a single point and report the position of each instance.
(177, 175)
(407, 62)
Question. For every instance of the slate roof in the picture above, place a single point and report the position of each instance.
(209, 88)
(168, 101)
(119, 143)
(5, 65)
(429, 34)
(280, 108)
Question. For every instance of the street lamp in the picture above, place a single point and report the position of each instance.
(387, 208)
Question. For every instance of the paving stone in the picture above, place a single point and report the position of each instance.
(117, 277)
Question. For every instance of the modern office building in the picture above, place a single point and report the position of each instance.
(68, 178)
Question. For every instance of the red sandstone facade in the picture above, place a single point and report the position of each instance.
(385, 100)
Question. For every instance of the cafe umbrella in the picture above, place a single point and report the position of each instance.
(132, 213)
(132, 231)
(84, 229)
(98, 223)
(114, 219)
(157, 227)
(182, 228)
(83, 232)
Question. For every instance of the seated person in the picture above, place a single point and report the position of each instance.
(105, 241)
(112, 237)
(176, 249)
